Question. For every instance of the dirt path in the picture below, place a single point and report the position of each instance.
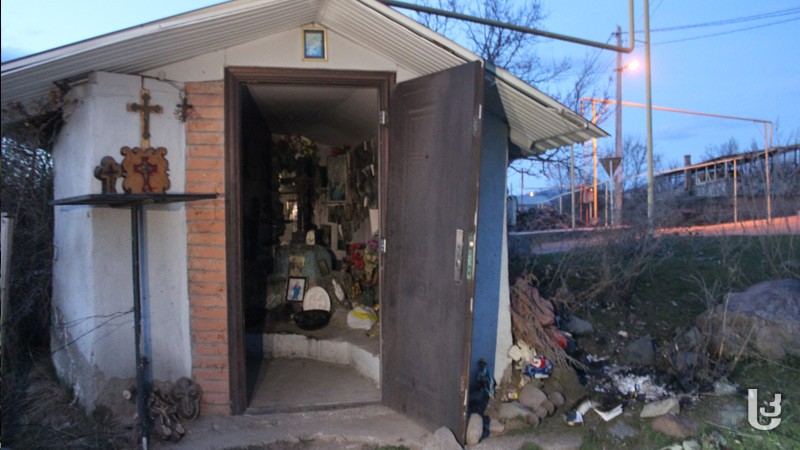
(526, 243)
(781, 225)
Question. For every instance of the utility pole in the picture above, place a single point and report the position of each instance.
(651, 190)
(616, 217)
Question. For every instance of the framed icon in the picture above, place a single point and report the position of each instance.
(295, 289)
(315, 44)
(338, 185)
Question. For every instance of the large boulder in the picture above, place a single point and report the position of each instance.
(765, 318)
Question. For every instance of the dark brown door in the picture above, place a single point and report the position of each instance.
(432, 196)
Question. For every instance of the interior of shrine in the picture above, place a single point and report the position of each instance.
(310, 228)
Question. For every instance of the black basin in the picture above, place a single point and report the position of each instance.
(312, 319)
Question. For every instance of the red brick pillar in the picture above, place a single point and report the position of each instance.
(205, 220)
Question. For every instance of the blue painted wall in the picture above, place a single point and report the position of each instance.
(491, 209)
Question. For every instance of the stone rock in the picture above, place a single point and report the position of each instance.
(691, 445)
(513, 410)
(533, 420)
(771, 309)
(496, 428)
(641, 352)
(556, 399)
(531, 396)
(579, 327)
(659, 408)
(621, 430)
(547, 405)
(675, 426)
(474, 429)
(559, 441)
(442, 439)
(564, 379)
(541, 412)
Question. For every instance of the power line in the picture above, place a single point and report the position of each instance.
(726, 32)
(785, 12)
(768, 15)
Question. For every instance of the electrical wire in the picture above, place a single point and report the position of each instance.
(768, 15)
(785, 12)
(726, 32)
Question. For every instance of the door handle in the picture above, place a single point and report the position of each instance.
(457, 275)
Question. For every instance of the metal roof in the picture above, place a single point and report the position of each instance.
(536, 120)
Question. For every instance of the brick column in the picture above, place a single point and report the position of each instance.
(205, 172)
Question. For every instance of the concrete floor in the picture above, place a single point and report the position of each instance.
(350, 428)
(294, 384)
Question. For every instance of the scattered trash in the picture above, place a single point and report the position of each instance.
(362, 318)
(485, 379)
(574, 418)
(539, 367)
(631, 383)
(610, 414)
(605, 412)
(591, 359)
(623, 333)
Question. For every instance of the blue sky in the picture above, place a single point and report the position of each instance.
(748, 67)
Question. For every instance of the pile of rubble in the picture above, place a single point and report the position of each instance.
(545, 218)
(552, 377)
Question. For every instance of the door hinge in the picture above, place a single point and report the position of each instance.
(382, 245)
(476, 121)
(383, 117)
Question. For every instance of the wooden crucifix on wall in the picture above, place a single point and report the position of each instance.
(145, 109)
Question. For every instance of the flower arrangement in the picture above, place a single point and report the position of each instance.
(363, 259)
(291, 149)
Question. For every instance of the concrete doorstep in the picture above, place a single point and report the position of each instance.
(340, 429)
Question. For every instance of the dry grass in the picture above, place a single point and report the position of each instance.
(47, 415)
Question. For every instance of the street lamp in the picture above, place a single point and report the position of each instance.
(616, 217)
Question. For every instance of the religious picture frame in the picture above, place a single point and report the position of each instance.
(296, 289)
(290, 210)
(296, 265)
(338, 183)
(315, 44)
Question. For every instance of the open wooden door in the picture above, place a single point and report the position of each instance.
(431, 221)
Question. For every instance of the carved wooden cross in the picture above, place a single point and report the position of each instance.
(144, 109)
(107, 172)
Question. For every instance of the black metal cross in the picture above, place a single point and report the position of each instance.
(144, 109)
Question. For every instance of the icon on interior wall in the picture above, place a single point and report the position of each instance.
(315, 44)
(337, 179)
(295, 289)
(290, 210)
(296, 265)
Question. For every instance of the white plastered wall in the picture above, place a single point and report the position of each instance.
(504, 338)
(280, 50)
(93, 339)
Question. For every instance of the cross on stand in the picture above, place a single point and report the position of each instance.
(145, 169)
(107, 172)
(145, 109)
